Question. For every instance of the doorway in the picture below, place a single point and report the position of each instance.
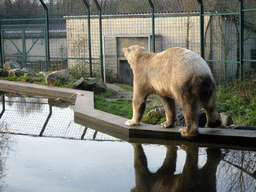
(125, 74)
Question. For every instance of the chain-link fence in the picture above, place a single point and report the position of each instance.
(88, 36)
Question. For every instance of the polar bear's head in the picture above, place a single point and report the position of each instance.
(133, 52)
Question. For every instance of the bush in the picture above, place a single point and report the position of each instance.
(239, 101)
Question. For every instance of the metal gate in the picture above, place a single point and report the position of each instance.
(25, 45)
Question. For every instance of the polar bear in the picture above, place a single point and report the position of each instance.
(174, 74)
(165, 179)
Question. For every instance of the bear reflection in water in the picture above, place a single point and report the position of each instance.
(191, 179)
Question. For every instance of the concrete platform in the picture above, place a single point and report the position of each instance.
(114, 125)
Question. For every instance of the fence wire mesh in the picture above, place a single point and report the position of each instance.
(75, 39)
(38, 116)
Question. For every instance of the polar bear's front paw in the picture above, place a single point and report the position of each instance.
(131, 123)
(167, 124)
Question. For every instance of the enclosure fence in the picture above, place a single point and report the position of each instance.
(87, 36)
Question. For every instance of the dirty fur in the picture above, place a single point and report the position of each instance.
(174, 74)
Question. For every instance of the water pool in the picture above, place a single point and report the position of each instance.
(71, 157)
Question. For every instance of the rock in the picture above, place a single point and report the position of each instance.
(3, 73)
(15, 72)
(11, 65)
(226, 119)
(25, 70)
(158, 110)
(81, 84)
(181, 119)
(201, 119)
(44, 73)
(63, 76)
(245, 127)
(91, 84)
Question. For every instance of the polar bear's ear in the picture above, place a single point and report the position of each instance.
(126, 50)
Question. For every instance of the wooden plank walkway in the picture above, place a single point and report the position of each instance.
(114, 125)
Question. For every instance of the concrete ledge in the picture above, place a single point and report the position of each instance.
(114, 125)
(41, 90)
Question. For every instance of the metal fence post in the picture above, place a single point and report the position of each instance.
(24, 55)
(89, 37)
(47, 52)
(241, 36)
(46, 121)
(100, 26)
(1, 54)
(153, 24)
(201, 9)
(3, 103)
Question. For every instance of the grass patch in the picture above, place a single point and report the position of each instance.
(107, 94)
(125, 87)
(69, 85)
(239, 101)
(123, 107)
(153, 118)
(40, 83)
(120, 107)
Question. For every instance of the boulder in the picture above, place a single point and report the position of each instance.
(44, 73)
(159, 110)
(81, 84)
(25, 70)
(15, 72)
(11, 65)
(245, 127)
(226, 119)
(63, 76)
(91, 84)
(3, 73)
(201, 119)
(180, 119)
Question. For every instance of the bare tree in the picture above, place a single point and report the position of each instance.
(239, 168)
(189, 22)
(4, 150)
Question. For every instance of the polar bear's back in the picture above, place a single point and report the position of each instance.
(186, 61)
(174, 66)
